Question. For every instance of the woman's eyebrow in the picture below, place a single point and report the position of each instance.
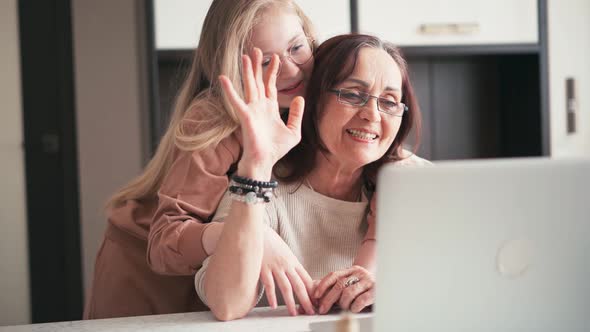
(366, 85)
(389, 88)
(357, 81)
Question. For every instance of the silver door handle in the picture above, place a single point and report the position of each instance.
(448, 28)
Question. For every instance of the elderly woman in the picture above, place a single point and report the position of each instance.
(360, 110)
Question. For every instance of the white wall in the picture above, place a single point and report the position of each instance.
(14, 256)
(569, 51)
(109, 109)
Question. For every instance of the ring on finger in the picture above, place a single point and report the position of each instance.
(351, 281)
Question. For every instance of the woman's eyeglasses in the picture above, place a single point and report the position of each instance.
(358, 98)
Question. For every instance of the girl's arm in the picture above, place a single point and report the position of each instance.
(231, 280)
(189, 195)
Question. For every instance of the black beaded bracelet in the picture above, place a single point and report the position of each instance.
(247, 187)
(242, 191)
(252, 182)
(265, 193)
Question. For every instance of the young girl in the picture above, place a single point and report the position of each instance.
(153, 243)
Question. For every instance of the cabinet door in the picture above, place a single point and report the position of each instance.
(178, 22)
(330, 17)
(450, 22)
(568, 25)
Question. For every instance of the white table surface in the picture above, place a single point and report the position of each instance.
(259, 320)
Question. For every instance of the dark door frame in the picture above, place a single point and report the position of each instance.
(51, 161)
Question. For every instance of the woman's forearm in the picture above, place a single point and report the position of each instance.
(367, 255)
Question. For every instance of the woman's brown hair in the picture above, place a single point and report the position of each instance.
(335, 60)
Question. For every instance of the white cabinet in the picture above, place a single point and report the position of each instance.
(178, 22)
(450, 22)
(329, 17)
(568, 40)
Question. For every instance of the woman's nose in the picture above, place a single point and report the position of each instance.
(370, 111)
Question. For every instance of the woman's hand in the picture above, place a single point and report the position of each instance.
(265, 137)
(353, 289)
(281, 267)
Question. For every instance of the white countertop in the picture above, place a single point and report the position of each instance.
(259, 320)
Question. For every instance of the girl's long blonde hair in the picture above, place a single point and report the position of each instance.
(224, 37)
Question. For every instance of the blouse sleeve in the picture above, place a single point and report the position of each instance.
(187, 199)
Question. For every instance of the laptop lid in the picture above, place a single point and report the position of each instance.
(489, 245)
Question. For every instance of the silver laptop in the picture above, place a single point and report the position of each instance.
(490, 245)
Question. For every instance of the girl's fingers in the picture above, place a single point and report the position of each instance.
(296, 115)
(257, 68)
(233, 96)
(306, 278)
(250, 89)
(271, 77)
(287, 291)
(269, 287)
(301, 292)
